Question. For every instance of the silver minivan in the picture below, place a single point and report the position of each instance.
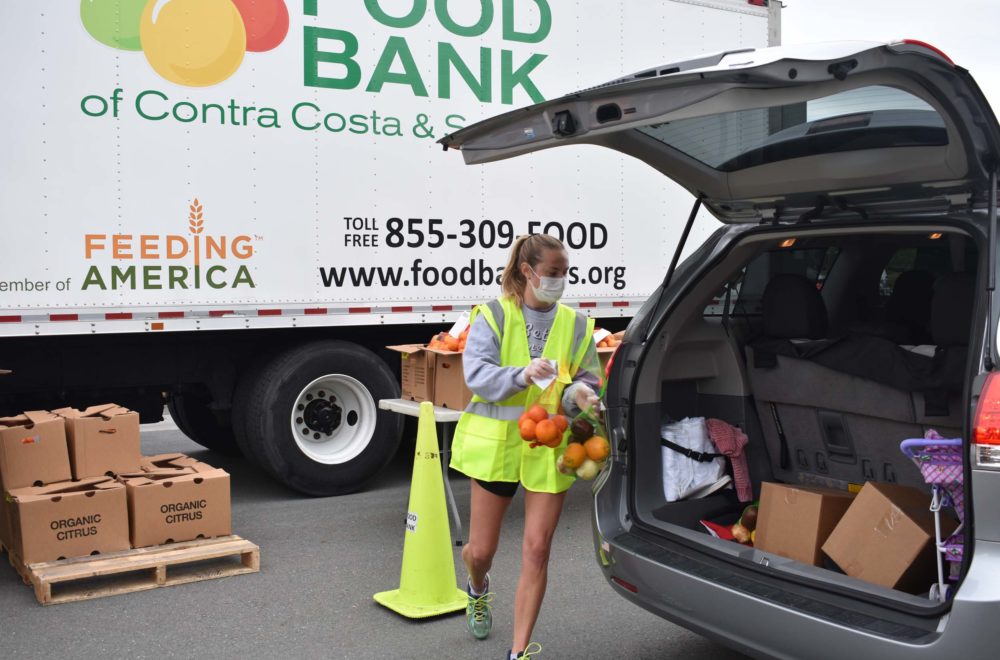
(846, 305)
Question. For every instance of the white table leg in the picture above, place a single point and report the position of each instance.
(445, 459)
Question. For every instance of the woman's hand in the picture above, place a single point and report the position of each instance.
(538, 369)
(585, 397)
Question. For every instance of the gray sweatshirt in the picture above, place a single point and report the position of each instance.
(486, 378)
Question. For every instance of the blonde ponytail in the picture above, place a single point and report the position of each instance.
(526, 249)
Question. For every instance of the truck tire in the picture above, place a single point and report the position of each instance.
(310, 417)
(195, 420)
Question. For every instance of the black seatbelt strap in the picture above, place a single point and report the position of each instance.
(785, 459)
(700, 456)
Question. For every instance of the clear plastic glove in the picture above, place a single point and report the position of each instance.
(585, 397)
(538, 369)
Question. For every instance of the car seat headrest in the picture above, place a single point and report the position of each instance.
(951, 309)
(793, 308)
(910, 302)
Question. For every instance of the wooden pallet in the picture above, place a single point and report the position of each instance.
(84, 578)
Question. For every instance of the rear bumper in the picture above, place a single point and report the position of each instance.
(758, 616)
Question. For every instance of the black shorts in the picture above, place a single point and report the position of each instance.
(500, 488)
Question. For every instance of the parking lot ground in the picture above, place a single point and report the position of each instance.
(321, 561)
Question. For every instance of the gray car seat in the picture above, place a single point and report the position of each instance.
(822, 426)
(952, 308)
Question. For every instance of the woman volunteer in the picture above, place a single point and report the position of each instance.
(512, 347)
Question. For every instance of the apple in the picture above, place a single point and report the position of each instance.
(581, 429)
(588, 470)
(740, 533)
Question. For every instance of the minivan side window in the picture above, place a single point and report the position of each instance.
(742, 295)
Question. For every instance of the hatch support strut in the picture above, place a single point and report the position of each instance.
(992, 279)
(680, 245)
(991, 265)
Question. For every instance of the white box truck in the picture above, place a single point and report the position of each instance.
(234, 205)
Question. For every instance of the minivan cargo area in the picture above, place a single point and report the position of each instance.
(823, 350)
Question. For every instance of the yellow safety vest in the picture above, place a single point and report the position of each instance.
(488, 444)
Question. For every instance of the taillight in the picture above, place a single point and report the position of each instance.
(898, 46)
(987, 423)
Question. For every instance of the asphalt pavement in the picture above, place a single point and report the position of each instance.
(321, 561)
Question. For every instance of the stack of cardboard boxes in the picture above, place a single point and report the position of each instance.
(883, 535)
(74, 483)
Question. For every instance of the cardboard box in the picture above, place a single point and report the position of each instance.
(166, 506)
(450, 390)
(887, 538)
(6, 529)
(33, 450)
(69, 519)
(103, 440)
(173, 460)
(604, 355)
(795, 521)
(416, 374)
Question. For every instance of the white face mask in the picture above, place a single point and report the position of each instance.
(549, 289)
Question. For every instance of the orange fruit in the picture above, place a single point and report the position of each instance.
(561, 422)
(537, 413)
(528, 429)
(597, 448)
(574, 456)
(450, 343)
(547, 433)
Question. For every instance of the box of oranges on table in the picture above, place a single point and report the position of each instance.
(607, 343)
(586, 449)
(433, 371)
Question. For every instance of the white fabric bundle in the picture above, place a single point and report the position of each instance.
(683, 476)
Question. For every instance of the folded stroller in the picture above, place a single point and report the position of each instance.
(941, 463)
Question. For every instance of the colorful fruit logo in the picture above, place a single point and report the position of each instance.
(189, 42)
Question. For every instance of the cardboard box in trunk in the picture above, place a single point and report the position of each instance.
(178, 502)
(103, 440)
(795, 521)
(33, 450)
(416, 374)
(69, 519)
(887, 538)
(450, 390)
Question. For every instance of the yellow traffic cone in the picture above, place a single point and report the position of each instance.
(427, 584)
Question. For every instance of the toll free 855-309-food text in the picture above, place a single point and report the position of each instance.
(416, 233)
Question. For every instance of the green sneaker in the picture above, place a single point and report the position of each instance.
(530, 651)
(479, 612)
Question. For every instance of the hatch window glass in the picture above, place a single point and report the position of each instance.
(742, 295)
(873, 117)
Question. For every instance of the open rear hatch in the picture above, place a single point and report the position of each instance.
(829, 129)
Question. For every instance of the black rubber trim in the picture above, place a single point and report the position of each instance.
(808, 601)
